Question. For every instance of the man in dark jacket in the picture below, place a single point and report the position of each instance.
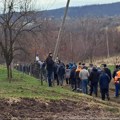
(50, 68)
(94, 78)
(61, 73)
(104, 81)
(108, 72)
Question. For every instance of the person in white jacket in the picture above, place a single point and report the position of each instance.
(37, 58)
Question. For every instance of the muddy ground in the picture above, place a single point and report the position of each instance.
(30, 109)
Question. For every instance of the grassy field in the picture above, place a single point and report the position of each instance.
(24, 86)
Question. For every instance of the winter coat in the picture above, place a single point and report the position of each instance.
(94, 76)
(104, 81)
(73, 74)
(61, 70)
(107, 71)
(84, 74)
(67, 73)
(55, 68)
(78, 72)
(50, 63)
(115, 73)
(117, 78)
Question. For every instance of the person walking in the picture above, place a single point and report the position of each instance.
(108, 72)
(50, 68)
(84, 75)
(78, 80)
(104, 81)
(61, 73)
(117, 82)
(73, 78)
(56, 65)
(67, 74)
(93, 79)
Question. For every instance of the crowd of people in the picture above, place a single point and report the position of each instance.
(81, 78)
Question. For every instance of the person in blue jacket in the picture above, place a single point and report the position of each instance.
(61, 73)
(104, 81)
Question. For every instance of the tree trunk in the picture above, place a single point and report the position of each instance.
(41, 76)
(9, 73)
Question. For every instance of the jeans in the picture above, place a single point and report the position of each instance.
(117, 89)
(50, 77)
(84, 86)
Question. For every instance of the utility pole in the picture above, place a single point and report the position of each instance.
(71, 45)
(107, 43)
(60, 31)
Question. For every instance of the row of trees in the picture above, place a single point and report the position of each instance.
(82, 39)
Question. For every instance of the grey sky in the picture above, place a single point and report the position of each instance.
(51, 4)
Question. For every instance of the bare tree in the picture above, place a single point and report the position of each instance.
(16, 19)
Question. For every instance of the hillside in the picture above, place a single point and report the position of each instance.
(112, 9)
(25, 98)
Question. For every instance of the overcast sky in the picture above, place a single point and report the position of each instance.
(52, 4)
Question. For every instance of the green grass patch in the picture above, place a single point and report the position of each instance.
(23, 85)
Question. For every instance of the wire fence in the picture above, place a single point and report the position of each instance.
(21, 70)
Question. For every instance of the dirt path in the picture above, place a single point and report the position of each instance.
(52, 110)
